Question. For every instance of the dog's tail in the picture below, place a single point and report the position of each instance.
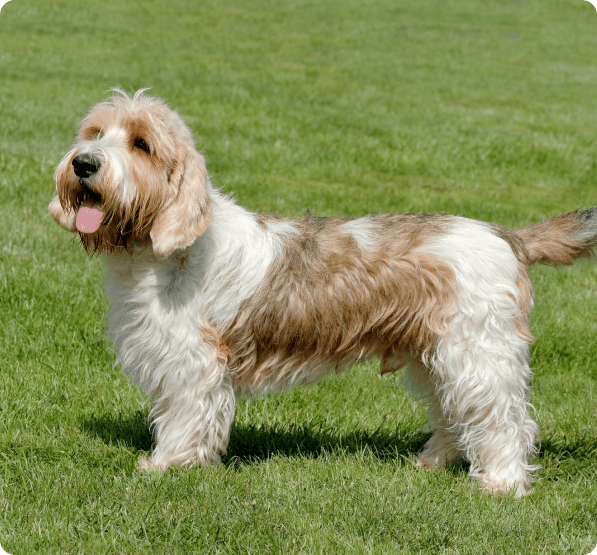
(561, 239)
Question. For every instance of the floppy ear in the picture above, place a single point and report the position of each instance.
(189, 214)
(67, 219)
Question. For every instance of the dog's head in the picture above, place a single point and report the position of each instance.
(133, 175)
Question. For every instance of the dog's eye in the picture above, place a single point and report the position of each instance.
(142, 145)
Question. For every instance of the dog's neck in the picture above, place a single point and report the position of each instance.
(220, 270)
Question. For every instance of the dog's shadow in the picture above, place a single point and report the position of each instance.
(252, 444)
(131, 431)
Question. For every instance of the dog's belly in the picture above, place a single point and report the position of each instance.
(277, 372)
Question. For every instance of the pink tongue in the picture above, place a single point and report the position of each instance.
(88, 218)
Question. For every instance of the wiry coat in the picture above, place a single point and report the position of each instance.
(210, 300)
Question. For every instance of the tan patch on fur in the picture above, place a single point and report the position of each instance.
(263, 219)
(327, 303)
(189, 214)
(525, 304)
(212, 337)
(523, 282)
(514, 240)
(65, 218)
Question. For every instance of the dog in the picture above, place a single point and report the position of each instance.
(210, 301)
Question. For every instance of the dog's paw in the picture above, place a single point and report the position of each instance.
(495, 486)
(146, 465)
(425, 462)
(429, 461)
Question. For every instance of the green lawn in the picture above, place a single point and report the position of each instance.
(486, 108)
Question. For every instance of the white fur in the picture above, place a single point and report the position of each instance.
(233, 255)
(360, 230)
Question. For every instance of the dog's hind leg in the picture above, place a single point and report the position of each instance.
(441, 448)
(482, 384)
(480, 367)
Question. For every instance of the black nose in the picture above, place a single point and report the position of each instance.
(85, 165)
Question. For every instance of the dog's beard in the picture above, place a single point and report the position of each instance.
(103, 224)
(112, 225)
(109, 237)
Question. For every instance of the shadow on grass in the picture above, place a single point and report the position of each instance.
(129, 430)
(250, 443)
(568, 458)
(254, 443)
(579, 447)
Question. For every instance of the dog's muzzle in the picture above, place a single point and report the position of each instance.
(89, 212)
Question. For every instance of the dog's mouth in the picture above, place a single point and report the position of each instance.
(90, 213)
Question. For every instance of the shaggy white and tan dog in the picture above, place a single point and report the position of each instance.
(210, 300)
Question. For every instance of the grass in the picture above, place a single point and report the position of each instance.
(481, 108)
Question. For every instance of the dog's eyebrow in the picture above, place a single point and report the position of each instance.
(92, 133)
(139, 129)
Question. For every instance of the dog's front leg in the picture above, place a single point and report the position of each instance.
(193, 411)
